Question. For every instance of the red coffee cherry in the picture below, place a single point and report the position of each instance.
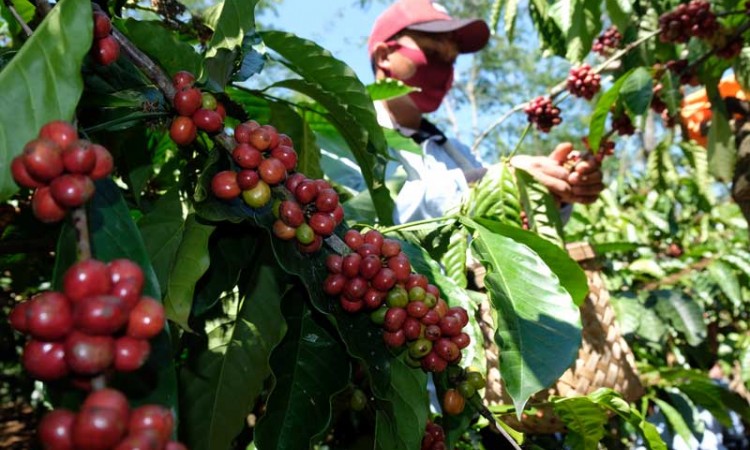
(312, 247)
(49, 316)
(43, 159)
(183, 79)
(55, 430)
(141, 440)
(432, 362)
(327, 200)
(72, 190)
(369, 266)
(450, 326)
(453, 402)
(375, 238)
(447, 350)
(353, 239)
(89, 355)
(283, 231)
(208, 120)
(128, 291)
(106, 50)
(306, 191)
(108, 398)
(390, 248)
(18, 318)
(260, 138)
(322, 223)
(44, 361)
(98, 429)
(286, 155)
(368, 249)
(79, 157)
(125, 269)
(152, 417)
(86, 278)
(130, 353)
(273, 136)
(394, 339)
(272, 171)
(45, 208)
(242, 131)
(247, 179)
(187, 101)
(102, 25)
(541, 112)
(333, 263)
(394, 319)
(384, 280)
(100, 315)
(462, 340)
(400, 266)
(221, 110)
(104, 163)
(412, 328)
(460, 314)
(224, 185)
(355, 288)
(174, 445)
(146, 319)
(431, 318)
(373, 298)
(183, 130)
(60, 132)
(417, 309)
(334, 284)
(21, 176)
(293, 181)
(247, 156)
(291, 213)
(350, 265)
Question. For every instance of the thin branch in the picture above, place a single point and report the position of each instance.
(28, 31)
(143, 62)
(80, 223)
(487, 414)
(677, 276)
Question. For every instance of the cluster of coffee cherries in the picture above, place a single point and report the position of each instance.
(726, 44)
(622, 124)
(682, 68)
(606, 148)
(583, 82)
(105, 48)
(310, 215)
(541, 112)
(377, 276)
(434, 437)
(105, 421)
(264, 158)
(606, 43)
(197, 110)
(98, 322)
(467, 383)
(659, 106)
(694, 19)
(61, 168)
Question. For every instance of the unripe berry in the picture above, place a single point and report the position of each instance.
(258, 196)
(208, 101)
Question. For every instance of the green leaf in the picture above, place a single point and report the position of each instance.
(675, 420)
(716, 399)
(601, 111)
(308, 370)
(335, 86)
(162, 231)
(511, 12)
(683, 312)
(190, 263)
(24, 8)
(162, 45)
(741, 68)
(698, 159)
(722, 152)
(584, 420)
(496, 196)
(637, 90)
(401, 142)
(660, 169)
(454, 258)
(400, 423)
(388, 88)
(614, 402)
(43, 81)
(635, 318)
(580, 22)
(539, 326)
(295, 126)
(221, 382)
(236, 19)
(553, 39)
(725, 277)
(620, 12)
(497, 6)
(542, 212)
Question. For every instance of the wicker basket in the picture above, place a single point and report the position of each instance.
(604, 359)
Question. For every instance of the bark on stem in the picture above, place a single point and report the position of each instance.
(80, 223)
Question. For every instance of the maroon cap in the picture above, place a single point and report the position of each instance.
(424, 15)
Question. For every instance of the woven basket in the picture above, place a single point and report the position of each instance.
(604, 359)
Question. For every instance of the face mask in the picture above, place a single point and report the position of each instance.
(433, 78)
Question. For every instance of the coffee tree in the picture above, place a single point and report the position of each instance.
(215, 282)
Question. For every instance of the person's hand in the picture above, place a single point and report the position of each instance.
(549, 171)
(586, 180)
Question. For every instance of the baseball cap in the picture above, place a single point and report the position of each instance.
(471, 35)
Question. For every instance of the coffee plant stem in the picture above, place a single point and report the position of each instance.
(416, 223)
(147, 66)
(482, 136)
(520, 141)
(478, 405)
(99, 382)
(19, 19)
(80, 223)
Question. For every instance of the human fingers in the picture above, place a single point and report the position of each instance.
(592, 190)
(556, 186)
(576, 178)
(561, 152)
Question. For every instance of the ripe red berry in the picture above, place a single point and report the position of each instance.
(152, 417)
(247, 156)
(21, 176)
(108, 398)
(260, 138)
(583, 82)
(49, 316)
(183, 130)
(394, 319)
(89, 355)
(312, 247)
(350, 265)
(174, 445)
(224, 185)
(375, 238)
(43, 159)
(390, 248)
(394, 339)
(400, 266)
(146, 319)
(141, 440)
(221, 110)
(45, 208)
(45, 361)
(607, 42)
(102, 25)
(247, 179)
(462, 340)
(291, 213)
(104, 163)
(18, 317)
(125, 269)
(272, 171)
(183, 79)
(541, 112)
(72, 190)
(432, 362)
(208, 120)
(333, 263)
(286, 155)
(293, 181)
(273, 136)
(283, 231)
(322, 223)
(412, 328)
(100, 314)
(384, 280)
(416, 279)
(368, 249)
(55, 430)
(417, 309)
(369, 266)
(327, 200)
(242, 131)
(373, 298)
(79, 157)
(129, 291)
(187, 101)
(130, 353)
(334, 284)
(86, 278)
(306, 191)
(106, 50)
(453, 402)
(450, 326)
(431, 318)
(460, 314)
(98, 429)
(355, 288)
(447, 350)
(432, 332)
(60, 132)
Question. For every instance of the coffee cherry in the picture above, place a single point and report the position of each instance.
(89, 355)
(284, 231)
(208, 120)
(447, 350)
(622, 124)
(476, 379)
(242, 131)
(688, 20)
(183, 79)
(187, 101)
(142, 440)
(453, 402)
(306, 191)
(106, 50)
(394, 319)
(130, 353)
(146, 319)
(327, 200)
(334, 284)
(45, 208)
(462, 340)
(417, 309)
(378, 316)
(583, 82)
(86, 278)
(60, 132)
(43, 159)
(373, 298)
(350, 265)
(49, 316)
(390, 248)
(98, 429)
(429, 300)
(72, 190)
(258, 196)
(400, 266)
(100, 315)
(369, 266)
(420, 348)
(183, 130)
(18, 317)
(79, 157)
(416, 293)
(305, 234)
(104, 163)
(412, 328)
(286, 155)
(322, 223)
(368, 249)
(432, 362)
(247, 179)
(334, 262)
(397, 298)
(224, 185)
(21, 176)
(293, 181)
(44, 361)
(108, 398)
(384, 280)
(291, 213)
(467, 390)
(374, 238)
(606, 43)
(260, 138)
(432, 332)
(208, 101)
(102, 25)
(358, 400)
(273, 135)
(355, 288)
(247, 156)
(450, 326)
(174, 445)
(431, 318)
(125, 269)
(460, 314)
(55, 430)
(541, 112)
(129, 291)
(394, 339)
(351, 305)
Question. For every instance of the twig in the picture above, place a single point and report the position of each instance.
(80, 223)
(149, 68)
(675, 277)
(496, 124)
(487, 414)
(18, 18)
